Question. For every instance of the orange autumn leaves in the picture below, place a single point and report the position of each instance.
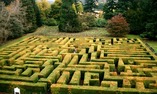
(117, 26)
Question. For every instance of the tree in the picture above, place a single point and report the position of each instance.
(150, 12)
(79, 7)
(55, 10)
(13, 20)
(136, 17)
(45, 9)
(68, 18)
(110, 9)
(30, 14)
(4, 30)
(90, 5)
(118, 26)
(38, 16)
(7, 2)
(122, 6)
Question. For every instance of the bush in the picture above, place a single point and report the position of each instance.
(150, 31)
(87, 20)
(136, 21)
(16, 28)
(50, 22)
(118, 26)
(100, 22)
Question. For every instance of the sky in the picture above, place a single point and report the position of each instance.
(48, 0)
(51, 0)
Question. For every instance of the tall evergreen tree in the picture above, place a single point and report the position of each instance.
(110, 9)
(150, 15)
(31, 14)
(55, 9)
(68, 18)
(38, 16)
(90, 5)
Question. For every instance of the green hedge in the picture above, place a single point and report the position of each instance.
(67, 59)
(76, 78)
(50, 62)
(54, 76)
(28, 72)
(33, 78)
(64, 78)
(84, 58)
(74, 60)
(74, 89)
(46, 71)
(25, 87)
(120, 65)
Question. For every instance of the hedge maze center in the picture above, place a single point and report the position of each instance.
(66, 65)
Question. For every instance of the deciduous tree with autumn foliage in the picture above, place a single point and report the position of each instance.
(118, 26)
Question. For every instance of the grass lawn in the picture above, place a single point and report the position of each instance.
(95, 32)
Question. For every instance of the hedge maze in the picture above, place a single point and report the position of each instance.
(38, 65)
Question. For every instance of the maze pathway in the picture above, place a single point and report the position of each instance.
(65, 65)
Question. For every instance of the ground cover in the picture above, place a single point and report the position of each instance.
(72, 65)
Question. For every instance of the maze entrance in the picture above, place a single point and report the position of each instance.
(65, 65)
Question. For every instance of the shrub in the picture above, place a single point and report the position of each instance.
(117, 26)
(136, 21)
(150, 31)
(87, 20)
(100, 22)
(16, 28)
(50, 22)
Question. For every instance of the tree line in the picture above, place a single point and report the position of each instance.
(140, 14)
(18, 17)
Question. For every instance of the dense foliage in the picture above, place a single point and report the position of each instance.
(150, 16)
(87, 20)
(55, 10)
(12, 21)
(7, 2)
(117, 26)
(110, 9)
(90, 5)
(140, 14)
(68, 18)
(44, 8)
(79, 7)
(17, 18)
(30, 14)
(100, 22)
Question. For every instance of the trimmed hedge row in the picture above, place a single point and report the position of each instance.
(64, 78)
(84, 58)
(46, 71)
(74, 60)
(75, 80)
(73, 89)
(25, 87)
